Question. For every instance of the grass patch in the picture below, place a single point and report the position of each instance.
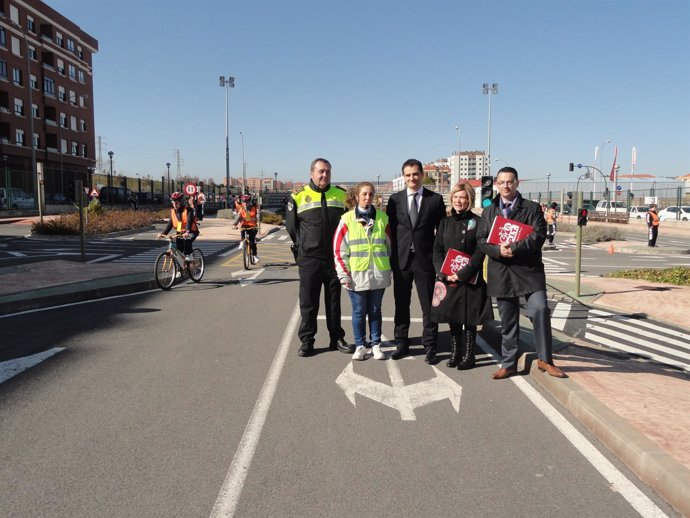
(594, 234)
(678, 275)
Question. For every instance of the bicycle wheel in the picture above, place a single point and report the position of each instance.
(246, 254)
(196, 266)
(166, 271)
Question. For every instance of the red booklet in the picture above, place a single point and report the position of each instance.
(505, 231)
(455, 261)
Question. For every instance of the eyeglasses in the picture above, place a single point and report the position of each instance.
(507, 182)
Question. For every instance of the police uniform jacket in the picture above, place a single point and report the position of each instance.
(523, 273)
(311, 218)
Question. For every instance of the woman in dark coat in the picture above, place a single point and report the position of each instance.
(465, 304)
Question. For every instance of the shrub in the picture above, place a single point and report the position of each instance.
(678, 275)
(594, 233)
(98, 221)
(271, 219)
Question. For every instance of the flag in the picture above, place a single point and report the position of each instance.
(613, 167)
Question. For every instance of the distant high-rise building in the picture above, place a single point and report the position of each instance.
(46, 81)
(470, 165)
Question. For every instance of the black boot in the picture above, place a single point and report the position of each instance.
(470, 335)
(456, 343)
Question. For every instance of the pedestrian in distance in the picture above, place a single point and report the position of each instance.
(551, 216)
(362, 248)
(462, 301)
(414, 214)
(201, 201)
(312, 215)
(516, 270)
(652, 225)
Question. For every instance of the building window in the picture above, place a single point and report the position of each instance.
(3, 68)
(34, 111)
(80, 52)
(37, 141)
(70, 45)
(19, 107)
(30, 24)
(61, 93)
(72, 72)
(73, 97)
(80, 74)
(16, 49)
(19, 137)
(17, 76)
(61, 67)
(3, 37)
(58, 39)
(32, 52)
(83, 150)
(82, 124)
(75, 148)
(48, 86)
(82, 101)
(14, 14)
(63, 120)
(63, 146)
(33, 82)
(73, 123)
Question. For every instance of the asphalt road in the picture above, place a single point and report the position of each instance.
(194, 403)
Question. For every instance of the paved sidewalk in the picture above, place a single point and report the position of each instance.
(638, 409)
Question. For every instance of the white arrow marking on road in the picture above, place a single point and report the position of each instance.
(10, 368)
(401, 397)
(249, 279)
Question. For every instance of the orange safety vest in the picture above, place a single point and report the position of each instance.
(181, 226)
(248, 218)
(655, 218)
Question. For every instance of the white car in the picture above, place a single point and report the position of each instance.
(673, 212)
(14, 198)
(638, 212)
(613, 207)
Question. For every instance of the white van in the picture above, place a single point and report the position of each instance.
(615, 207)
(14, 198)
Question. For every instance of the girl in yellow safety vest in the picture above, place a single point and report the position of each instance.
(362, 249)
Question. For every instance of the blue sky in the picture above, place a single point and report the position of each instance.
(368, 84)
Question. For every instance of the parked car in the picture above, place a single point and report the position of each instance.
(612, 206)
(638, 212)
(57, 198)
(114, 195)
(14, 199)
(673, 212)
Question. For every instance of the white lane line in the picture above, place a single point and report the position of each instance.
(560, 315)
(230, 492)
(10, 368)
(619, 483)
(104, 258)
(549, 260)
(17, 254)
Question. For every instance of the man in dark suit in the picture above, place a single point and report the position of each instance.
(414, 214)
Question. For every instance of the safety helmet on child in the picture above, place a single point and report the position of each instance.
(246, 197)
(177, 196)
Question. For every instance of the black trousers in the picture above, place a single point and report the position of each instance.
(651, 238)
(313, 274)
(416, 271)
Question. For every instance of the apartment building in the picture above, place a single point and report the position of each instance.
(46, 98)
(470, 165)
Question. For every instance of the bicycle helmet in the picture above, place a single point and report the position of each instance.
(246, 197)
(177, 196)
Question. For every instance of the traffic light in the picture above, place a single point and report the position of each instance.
(487, 190)
(571, 166)
(582, 217)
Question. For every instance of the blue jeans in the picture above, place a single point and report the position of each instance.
(366, 303)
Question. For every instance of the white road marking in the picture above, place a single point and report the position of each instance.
(619, 483)
(17, 254)
(634, 330)
(643, 323)
(10, 368)
(104, 258)
(229, 494)
(251, 275)
(560, 315)
(592, 335)
(283, 238)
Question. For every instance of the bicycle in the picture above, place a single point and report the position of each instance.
(173, 262)
(246, 248)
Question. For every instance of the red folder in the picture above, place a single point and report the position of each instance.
(455, 261)
(505, 231)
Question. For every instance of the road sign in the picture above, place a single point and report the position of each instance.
(189, 189)
(401, 397)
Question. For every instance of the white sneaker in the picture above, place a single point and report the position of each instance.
(377, 352)
(189, 257)
(255, 259)
(360, 353)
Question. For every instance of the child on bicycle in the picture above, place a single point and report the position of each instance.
(183, 220)
(247, 213)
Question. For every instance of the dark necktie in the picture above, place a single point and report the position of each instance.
(413, 209)
(506, 209)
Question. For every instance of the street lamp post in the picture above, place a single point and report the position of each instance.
(490, 91)
(167, 164)
(227, 84)
(244, 175)
(275, 183)
(110, 178)
(548, 187)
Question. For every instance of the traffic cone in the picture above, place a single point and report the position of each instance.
(611, 248)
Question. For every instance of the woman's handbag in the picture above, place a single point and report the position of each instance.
(445, 303)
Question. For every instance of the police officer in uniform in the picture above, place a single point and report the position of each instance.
(312, 216)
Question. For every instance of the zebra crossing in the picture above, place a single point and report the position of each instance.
(637, 337)
(276, 237)
(208, 248)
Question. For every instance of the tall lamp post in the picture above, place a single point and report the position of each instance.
(227, 84)
(275, 183)
(244, 176)
(548, 186)
(489, 90)
(167, 164)
(110, 178)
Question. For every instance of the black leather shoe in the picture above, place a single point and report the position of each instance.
(306, 349)
(342, 346)
(402, 350)
(430, 357)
